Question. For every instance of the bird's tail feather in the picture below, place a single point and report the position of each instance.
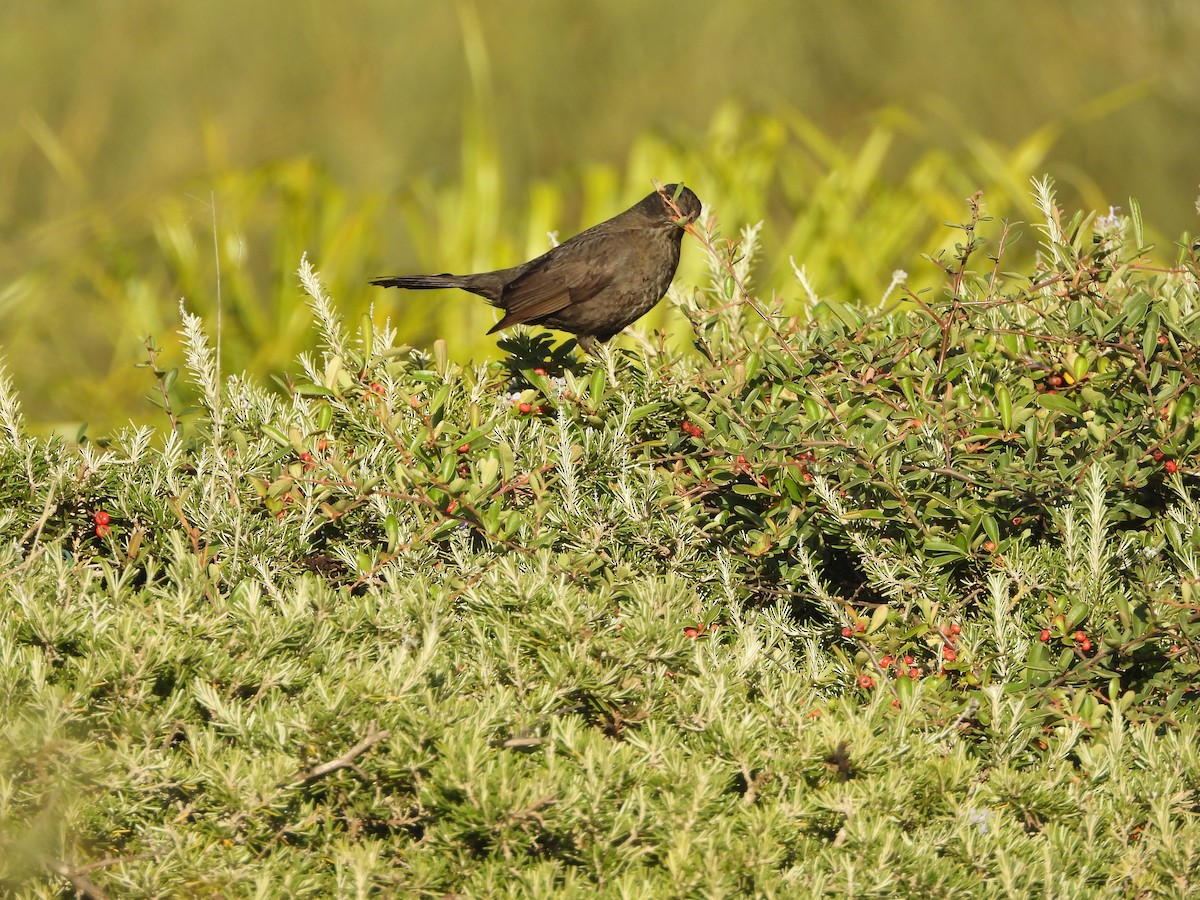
(421, 282)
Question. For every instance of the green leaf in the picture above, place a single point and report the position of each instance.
(1058, 403)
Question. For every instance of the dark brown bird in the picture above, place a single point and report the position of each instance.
(593, 284)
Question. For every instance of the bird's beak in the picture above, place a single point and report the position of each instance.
(686, 222)
(681, 219)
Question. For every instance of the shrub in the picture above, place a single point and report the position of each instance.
(891, 603)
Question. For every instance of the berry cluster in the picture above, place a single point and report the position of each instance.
(524, 407)
(905, 665)
(101, 520)
(1169, 465)
(1058, 625)
(694, 631)
(943, 639)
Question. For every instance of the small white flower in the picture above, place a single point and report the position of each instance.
(1111, 222)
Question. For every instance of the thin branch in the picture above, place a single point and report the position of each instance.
(82, 884)
(346, 760)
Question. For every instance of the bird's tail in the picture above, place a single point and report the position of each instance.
(423, 282)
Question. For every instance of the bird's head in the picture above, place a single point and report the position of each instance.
(682, 205)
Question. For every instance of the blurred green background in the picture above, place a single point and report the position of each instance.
(402, 136)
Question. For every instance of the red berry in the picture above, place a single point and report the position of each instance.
(1045, 635)
(1017, 520)
(451, 506)
(1055, 381)
(846, 632)
(866, 681)
(885, 662)
(101, 517)
(1162, 340)
(950, 654)
(690, 632)
(102, 531)
(1171, 466)
(1080, 636)
(860, 626)
(908, 660)
(1085, 645)
(955, 628)
(989, 546)
(539, 371)
(1157, 454)
(914, 673)
(525, 408)
(465, 448)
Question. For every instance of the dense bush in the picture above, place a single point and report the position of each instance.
(852, 603)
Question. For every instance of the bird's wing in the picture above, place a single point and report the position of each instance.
(553, 282)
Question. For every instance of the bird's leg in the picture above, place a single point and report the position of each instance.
(587, 343)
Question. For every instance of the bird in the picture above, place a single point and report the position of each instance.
(591, 285)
